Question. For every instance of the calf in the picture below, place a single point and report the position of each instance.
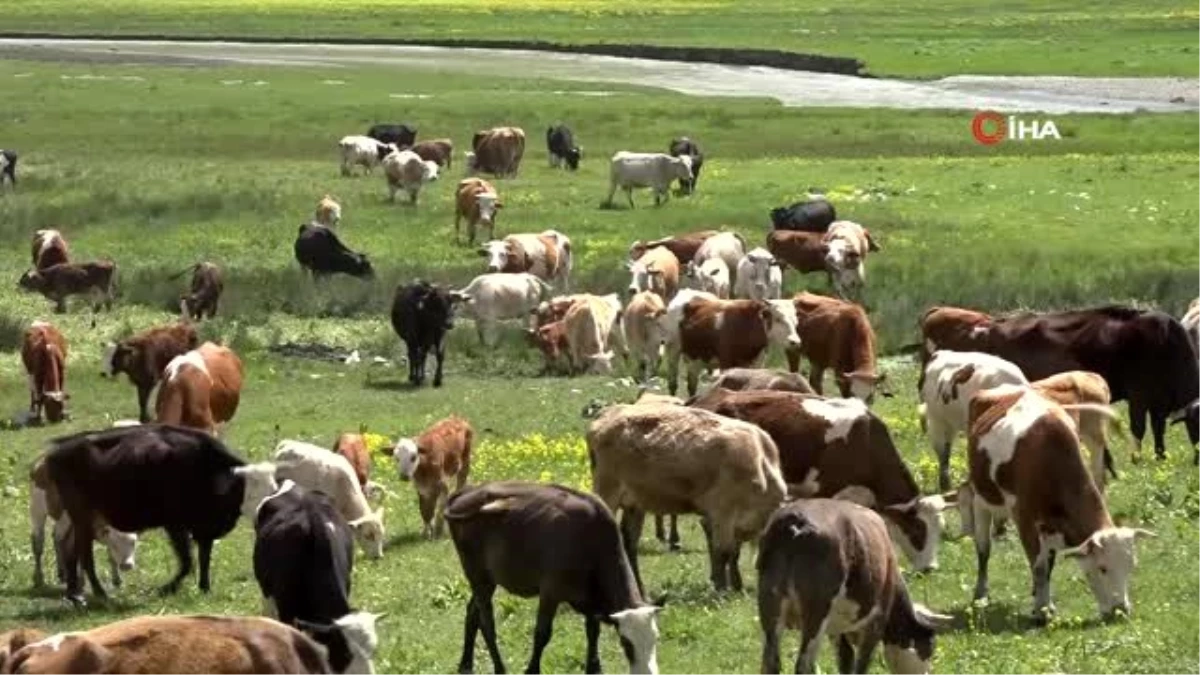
(491, 298)
(8, 167)
(205, 293)
(1025, 463)
(729, 247)
(44, 354)
(422, 313)
(405, 170)
(685, 146)
(440, 151)
(49, 249)
(201, 389)
(58, 282)
(758, 276)
(362, 151)
(684, 246)
(429, 460)
(560, 545)
(826, 567)
(561, 148)
(354, 448)
(478, 202)
(546, 255)
(149, 476)
(400, 135)
(316, 468)
(814, 215)
(303, 561)
(835, 334)
(629, 170)
(656, 271)
(321, 253)
(847, 244)
(144, 356)
(497, 151)
(551, 340)
(643, 331)
(711, 276)
(328, 212)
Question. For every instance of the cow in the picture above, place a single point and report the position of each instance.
(826, 567)
(440, 151)
(354, 448)
(322, 253)
(1191, 323)
(303, 560)
(656, 271)
(478, 202)
(555, 310)
(316, 468)
(546, 255)
(49, 249)
(847, 244)
(1025, 464)
(551, 340)
(835, 334)
(669, 459)
(684, 146)
(684, 246)
(629, 170)
(430, 460)
(149, 476)
(405, 170)
(362, 151)
(839, 448)
(176, 644)
(328, 212)
(561, 148)
(804, 252)
(730, 247)
(760, 379)
(589, 324)
(200, 389)
(759, 276)
(490, 298)
(143, 358)
(422, 313)
(814, 215)
(711, 276)
(8, 167)
(400, 135)
(558, 544)
(497, 151)
(58, 282)
(204, 296)
(640, 323)
(11, 641)
(44, 355)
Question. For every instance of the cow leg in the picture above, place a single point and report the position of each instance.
(659, 532)
(983, 547)
(439, 509)
(82, 553)
(811, 632)
(845, 655)
(816, 377)
(487, 624)
(181, 544)
(426, 505)
(943, 457)
(37, 544)
(414, 357)
(768, 621)
(457, 229)
(632, 520)
(591, 628)
(1137, 427)
(693, 376)
(672, 370)
(205, 546)
(717, 562)
(440, 354)
(867, 643)
(629, 196)
(735, 569)
(466, 662)
(543, 630)
(1158, 427)
(673, 537)
(143, 396)
(1041, 563)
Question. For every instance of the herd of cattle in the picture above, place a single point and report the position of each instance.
(760, 455)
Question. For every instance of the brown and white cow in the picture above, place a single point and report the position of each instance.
(49, 249)
(835, 334)
(405, 170)
(204, 295)
(847, 244)
(44, 354)
(201, 389)
(144, 357)
(643, 331)
(430, 460)
(58, 282)
(440, 151)
(656, 271)
(551, 340)
(684, 246)
(497, 151)
(328, 212)
(478, 202)
(546, 255)
(1026, 464)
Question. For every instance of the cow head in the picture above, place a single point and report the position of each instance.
(429, 171)
(31, 280)
(638, 630)
(601, 363)
(909, 649)
(760, 263)
(681, 167)
(54, 404)
(505, 256)
(548, 339)
(370, 533)
(119, 357)
(644, 277)
(863, 385)
(358, 634)
(917, 528)
(361, 267)
(122, 546)
(488, 203)
(407, 456)
(1107, 559)
(779, 316)
(573, 156)
(382, 150)
(258, 483)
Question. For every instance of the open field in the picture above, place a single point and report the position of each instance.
(922, 38)
(159, 167)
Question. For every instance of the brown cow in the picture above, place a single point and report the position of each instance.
(439, 151)
(144, 357)
(44, 353)
(442, 451)
(640, 322)
(207, 285)
(684, 246)
(49, 249)
(836, 334)
(60, 281)
(497, 151)
(328, 212)
(478, 202)
(201, 388)
(12, 641)
(551, 339)
(354, 448)
(802, 251)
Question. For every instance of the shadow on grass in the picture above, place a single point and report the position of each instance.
(407, 539)
(1002, 618)
(392, 384)
(64, 609)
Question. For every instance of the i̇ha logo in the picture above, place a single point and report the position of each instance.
(990, 127)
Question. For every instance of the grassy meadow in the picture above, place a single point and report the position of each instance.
(159, 167)
(923, 38)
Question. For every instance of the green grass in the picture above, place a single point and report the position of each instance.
(159, 172)
(922, 38)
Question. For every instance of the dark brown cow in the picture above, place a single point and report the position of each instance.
(58, 282)
(684, 246)
(49, 249)
(802, 251)
(207, 285)
(44, 354)
(497, 151)
(836, 334)
(144, 357)
(440, 151)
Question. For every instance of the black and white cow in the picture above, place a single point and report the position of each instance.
(8, 167)
(421, 315)
(560, 144)
(319, 251)
(686, 146)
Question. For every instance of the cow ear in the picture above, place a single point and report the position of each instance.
(765, 313)
(481, 251)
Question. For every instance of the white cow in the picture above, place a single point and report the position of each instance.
(655, 170)
(730, 247)
(712, 276)
(122, 546)
(847, 244)
(759, 276)
(315, 468)
(362, 151)
(405, 170)
(499, 296)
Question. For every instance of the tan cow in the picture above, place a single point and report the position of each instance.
(589, 324)
(835, 334)
(328, 212)
(201, 389)
(847, 245)
(44, 354)
(656, 271)
(441, 452)
(405, 170)
(546, 255)
(478, 202)
(644, 332)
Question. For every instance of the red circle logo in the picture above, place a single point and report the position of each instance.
(989, 127)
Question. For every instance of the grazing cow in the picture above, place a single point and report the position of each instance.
(838, 448)
(316, 468)
(551, 340)
(303, 560)
(144, 357)
(668, 459)
(685, 146)
(478, 202)
(589, 324)
(761, 379)
(44, 354)
(555, 310)
(205, 294)
(546, 255)
(847, 244)
(710, 276)
(176, 644)
(8, 167)
(328, 212)
(362, 151)
(319, 251)
(497, 151)
(400, 135)
(1191, 323)
(148, 476)
(58, 282)
(49, 249)
(826, 567)
(201, 389)
(814, 215)
(561, 148)
(560, 545)
(1025, 464)
(644, 332)
(656, 271)
(629, 170)
(490, 298)
(835, 334)
(405, 170)
(354, 448)
(684, 246)
(421, 314)
(758, 276)
(440, 151)
(430, 460)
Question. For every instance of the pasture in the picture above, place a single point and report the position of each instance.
(159, 167)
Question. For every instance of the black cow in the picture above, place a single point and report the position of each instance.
(402, 135)
(814, 215)
(8, 167)
(560, 143)
(421, 315)
(144, 477)
(686, 146)
(319, 251)
(555, 543)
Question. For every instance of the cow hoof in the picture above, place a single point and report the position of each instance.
(77, 601)
(169, 589)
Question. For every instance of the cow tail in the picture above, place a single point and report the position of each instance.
(182, 272)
